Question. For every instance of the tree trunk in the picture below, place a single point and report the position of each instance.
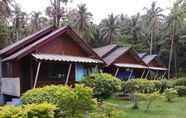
(151, 42)
(171, 50)
(175, 61)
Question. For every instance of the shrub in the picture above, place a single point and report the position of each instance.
(180, 82)
(181, 90)
(71, 101)
(148, 98)
(50, 94)
(141, 86)
(44, 110)
(104, 85)
(170, 94)
(107, 110)
(11, 112)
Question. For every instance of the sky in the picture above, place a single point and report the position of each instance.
(100, 8)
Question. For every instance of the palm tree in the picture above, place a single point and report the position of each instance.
(56, 11)
(110, 29)
(83, 18)
(135, 28)
(80, 19)
(19, 21)
(35, 21)
(5, 10)
(175, 20)
(154, 16)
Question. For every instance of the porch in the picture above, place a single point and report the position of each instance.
(39, 70)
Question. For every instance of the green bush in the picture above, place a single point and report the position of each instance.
(43, 110)
(148, 98)
(104, 85)
(180, 82)
(107, 110)
(181, 90)
(141, 86)
(11, 112)
(71, 101)
(170, 94)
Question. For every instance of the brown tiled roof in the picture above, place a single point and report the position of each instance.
(102, 51)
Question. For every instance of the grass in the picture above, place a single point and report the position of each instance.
(159, 109)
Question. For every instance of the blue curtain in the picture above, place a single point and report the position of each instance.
(80, 72)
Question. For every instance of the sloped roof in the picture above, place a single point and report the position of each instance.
(141, 55)
(110, 53)
(25, 41)
(102, 51)
(111, 57)
(46, 39)
(147, 59)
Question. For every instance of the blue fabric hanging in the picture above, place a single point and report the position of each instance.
(80, 72)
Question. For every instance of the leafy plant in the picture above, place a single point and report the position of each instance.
(11, 112)
(141, 85)
(148, 98)
(72, 102)
(170, 94)
(181, 90)
(107, 110)
(43, 110)
(104, 85)
(180, 82)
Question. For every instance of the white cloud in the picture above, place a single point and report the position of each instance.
(100, 8)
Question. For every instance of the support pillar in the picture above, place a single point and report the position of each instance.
(37, 74)
(130, 74)
(68, 74)
(116, 72)
(143, 74)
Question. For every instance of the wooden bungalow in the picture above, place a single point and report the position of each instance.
(50, 56)
(155, 68)
(122, 62)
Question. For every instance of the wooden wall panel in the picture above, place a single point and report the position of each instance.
(155, 63)
(63, 45)
(127, 58)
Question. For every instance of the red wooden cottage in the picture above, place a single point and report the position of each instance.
(156, 68)
(50, 56)
(122, 62)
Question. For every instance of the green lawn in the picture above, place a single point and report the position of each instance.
(159, 109)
